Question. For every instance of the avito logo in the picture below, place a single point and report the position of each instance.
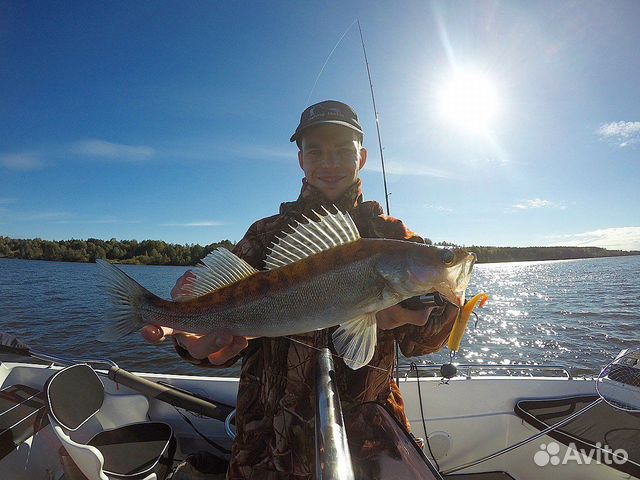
(549, 454)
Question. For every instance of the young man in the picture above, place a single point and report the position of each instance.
(275, 420)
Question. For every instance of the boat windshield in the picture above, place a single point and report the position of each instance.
(381, 448)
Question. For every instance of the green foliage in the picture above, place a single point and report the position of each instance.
(525, 254)
(147, 252)
(157, 252)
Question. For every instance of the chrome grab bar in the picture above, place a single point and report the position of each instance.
(333, 459)
(71, 361)
(469, 367)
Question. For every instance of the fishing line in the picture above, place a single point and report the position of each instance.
(333, 354)
(327, 61)
(414, 367)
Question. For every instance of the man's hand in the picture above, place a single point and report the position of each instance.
(218, 347)
(397, 316)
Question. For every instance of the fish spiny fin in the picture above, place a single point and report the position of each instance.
(313, 237)
(218, 269)
(355, 340)
(127, 297)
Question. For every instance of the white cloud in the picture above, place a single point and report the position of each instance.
(204, 223)
(96, 221)
(438, 208)
(622, 133)
(537, 203)
(47, 216)
(262, 152)
(405, 168)
(21, 161)
(622, 238)
(108, 150)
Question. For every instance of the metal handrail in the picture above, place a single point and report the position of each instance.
(333, 459)
(71, 361)
(406, 368)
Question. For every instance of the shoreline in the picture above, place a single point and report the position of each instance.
(495, 262)
(159, 252)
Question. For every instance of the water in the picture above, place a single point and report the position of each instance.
(579, 313)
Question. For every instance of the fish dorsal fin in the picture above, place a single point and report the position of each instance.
(313, 237)
(218, 269)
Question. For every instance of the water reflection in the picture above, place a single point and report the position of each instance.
(577, 312)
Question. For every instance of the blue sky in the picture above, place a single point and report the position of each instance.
(171, 120)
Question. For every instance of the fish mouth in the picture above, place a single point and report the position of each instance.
(459, 276)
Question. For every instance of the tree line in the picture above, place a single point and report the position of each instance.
(158, 252)
(146, 252)
(525, 254)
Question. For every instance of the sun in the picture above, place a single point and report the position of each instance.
(469, 100)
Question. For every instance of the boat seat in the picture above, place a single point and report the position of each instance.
(137, 450)
(480, 476)
(22, 415)
(601, 424)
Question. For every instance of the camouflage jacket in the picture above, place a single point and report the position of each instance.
(275, 420)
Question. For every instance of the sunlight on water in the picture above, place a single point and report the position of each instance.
(578, 313)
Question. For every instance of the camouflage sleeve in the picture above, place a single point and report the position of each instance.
(251, 247)
(251, 250)
(384, 226)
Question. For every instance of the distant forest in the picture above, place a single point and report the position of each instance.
(157, 252)
(147, 252)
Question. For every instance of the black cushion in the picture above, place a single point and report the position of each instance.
(74, 395)
(136, 449)
(601, 424)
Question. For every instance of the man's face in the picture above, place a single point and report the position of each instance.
(331, 159)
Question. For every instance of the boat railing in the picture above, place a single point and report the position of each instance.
(471, 370)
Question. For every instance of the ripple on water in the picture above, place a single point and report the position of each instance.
(578, 312)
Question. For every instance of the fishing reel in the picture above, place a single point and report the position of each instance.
(422, 302)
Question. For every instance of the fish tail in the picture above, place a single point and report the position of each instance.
(127, 296)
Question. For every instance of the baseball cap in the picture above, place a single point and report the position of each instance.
(327, 112)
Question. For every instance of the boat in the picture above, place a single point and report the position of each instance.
(522, 422)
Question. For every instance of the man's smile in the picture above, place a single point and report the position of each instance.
(331, 178)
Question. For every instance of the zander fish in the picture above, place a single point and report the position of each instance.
(320, 275)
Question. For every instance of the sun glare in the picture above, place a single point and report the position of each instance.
(468, 100)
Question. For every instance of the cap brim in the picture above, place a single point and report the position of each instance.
(296, 135)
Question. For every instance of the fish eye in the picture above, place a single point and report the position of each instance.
(447, 256)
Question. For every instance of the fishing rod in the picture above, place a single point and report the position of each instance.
(384, 172)
(377, 117)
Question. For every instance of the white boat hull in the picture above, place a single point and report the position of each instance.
(465, 419)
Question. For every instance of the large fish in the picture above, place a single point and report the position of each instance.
(320, 275)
